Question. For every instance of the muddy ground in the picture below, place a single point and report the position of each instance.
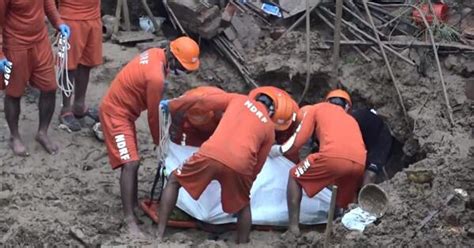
(54, 199)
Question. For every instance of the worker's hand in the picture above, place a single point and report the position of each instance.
(164, 106)
(275, 151)
(3, 64)
(65, 30)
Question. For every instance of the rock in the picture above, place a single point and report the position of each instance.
(212, 244)
(180, 237)
(77, 233)
(5, 197)
(470, 232)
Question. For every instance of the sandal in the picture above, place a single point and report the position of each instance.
(92, 113)
(69, 120)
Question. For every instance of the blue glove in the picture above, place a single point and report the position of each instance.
(3, 64)
(65, 30)
(164, 105)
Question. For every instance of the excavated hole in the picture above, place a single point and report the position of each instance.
(319, 86)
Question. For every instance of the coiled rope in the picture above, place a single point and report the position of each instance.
(62, 75)
(162, 150)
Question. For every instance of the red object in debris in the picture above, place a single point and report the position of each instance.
(440, 10)
(150, 209)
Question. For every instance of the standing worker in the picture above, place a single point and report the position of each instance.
(26, 56)
(139, 86)
(340, 160)
(192, 125)
(83, 17)
(233, 155)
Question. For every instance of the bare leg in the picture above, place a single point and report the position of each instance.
(128, 191)
(81, 75)
(12, 112)
(244, 223)
(294, 194)
(167, 202)
(47, 103)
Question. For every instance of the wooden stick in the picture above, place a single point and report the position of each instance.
(126, 15)
(118, 15)
(343, 36)
(308, 53)
(370, 37)
(337, 40)
(414, 43)
(387, 63)
(332, 208)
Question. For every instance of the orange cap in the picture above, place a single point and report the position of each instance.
(197, 115)
(339, 93)
(285, 107)
(186, 51)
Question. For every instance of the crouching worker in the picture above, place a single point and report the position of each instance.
(139, 86)
(192, 125)
(378, 142)
(233, 155)
(340, 160)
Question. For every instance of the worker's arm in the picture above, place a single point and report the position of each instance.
(263, 153)
(3, 12)
(52, 13)
(154, 92)
(302, 134)
(216, 102)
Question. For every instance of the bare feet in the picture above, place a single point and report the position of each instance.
(133, 228)
(18, 147)
(50, 146)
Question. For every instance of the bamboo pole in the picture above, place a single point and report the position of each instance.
(332, 209)
(337, 40)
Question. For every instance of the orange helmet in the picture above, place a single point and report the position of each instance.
(197, 115)
(285, 107)
(186, 51)
(339, 93)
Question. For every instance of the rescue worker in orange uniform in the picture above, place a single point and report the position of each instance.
(139, 86)
(340, 159)
(83, 17)
(233, 155)
(26, 56)
(193, 125)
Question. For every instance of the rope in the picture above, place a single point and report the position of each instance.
(162, 150)
(62, 75)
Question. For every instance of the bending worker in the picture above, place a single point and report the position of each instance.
(192, 125)
(340, 160)
(83, 17)
(139, 86)
(233, 155)
(26, 56)
(377, 140)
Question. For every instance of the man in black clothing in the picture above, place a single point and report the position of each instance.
(377, 139)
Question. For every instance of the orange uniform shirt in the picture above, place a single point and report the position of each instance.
(243, 137)
(338, 133)
(22, 22)
(138, 87)
(79, 10)
(182, 130)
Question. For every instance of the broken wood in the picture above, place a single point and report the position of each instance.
(132, 36)
(126, 15)
(387, 63)
(118, 15)
(343, 36)
(173, 18)
(332, 208)
(352, 26)
(414, 43)
(337, 42)
(297, 22)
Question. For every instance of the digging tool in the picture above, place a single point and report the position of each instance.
(332, 208)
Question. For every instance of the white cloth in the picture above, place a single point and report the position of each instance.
(357, 219)
(268, 195)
